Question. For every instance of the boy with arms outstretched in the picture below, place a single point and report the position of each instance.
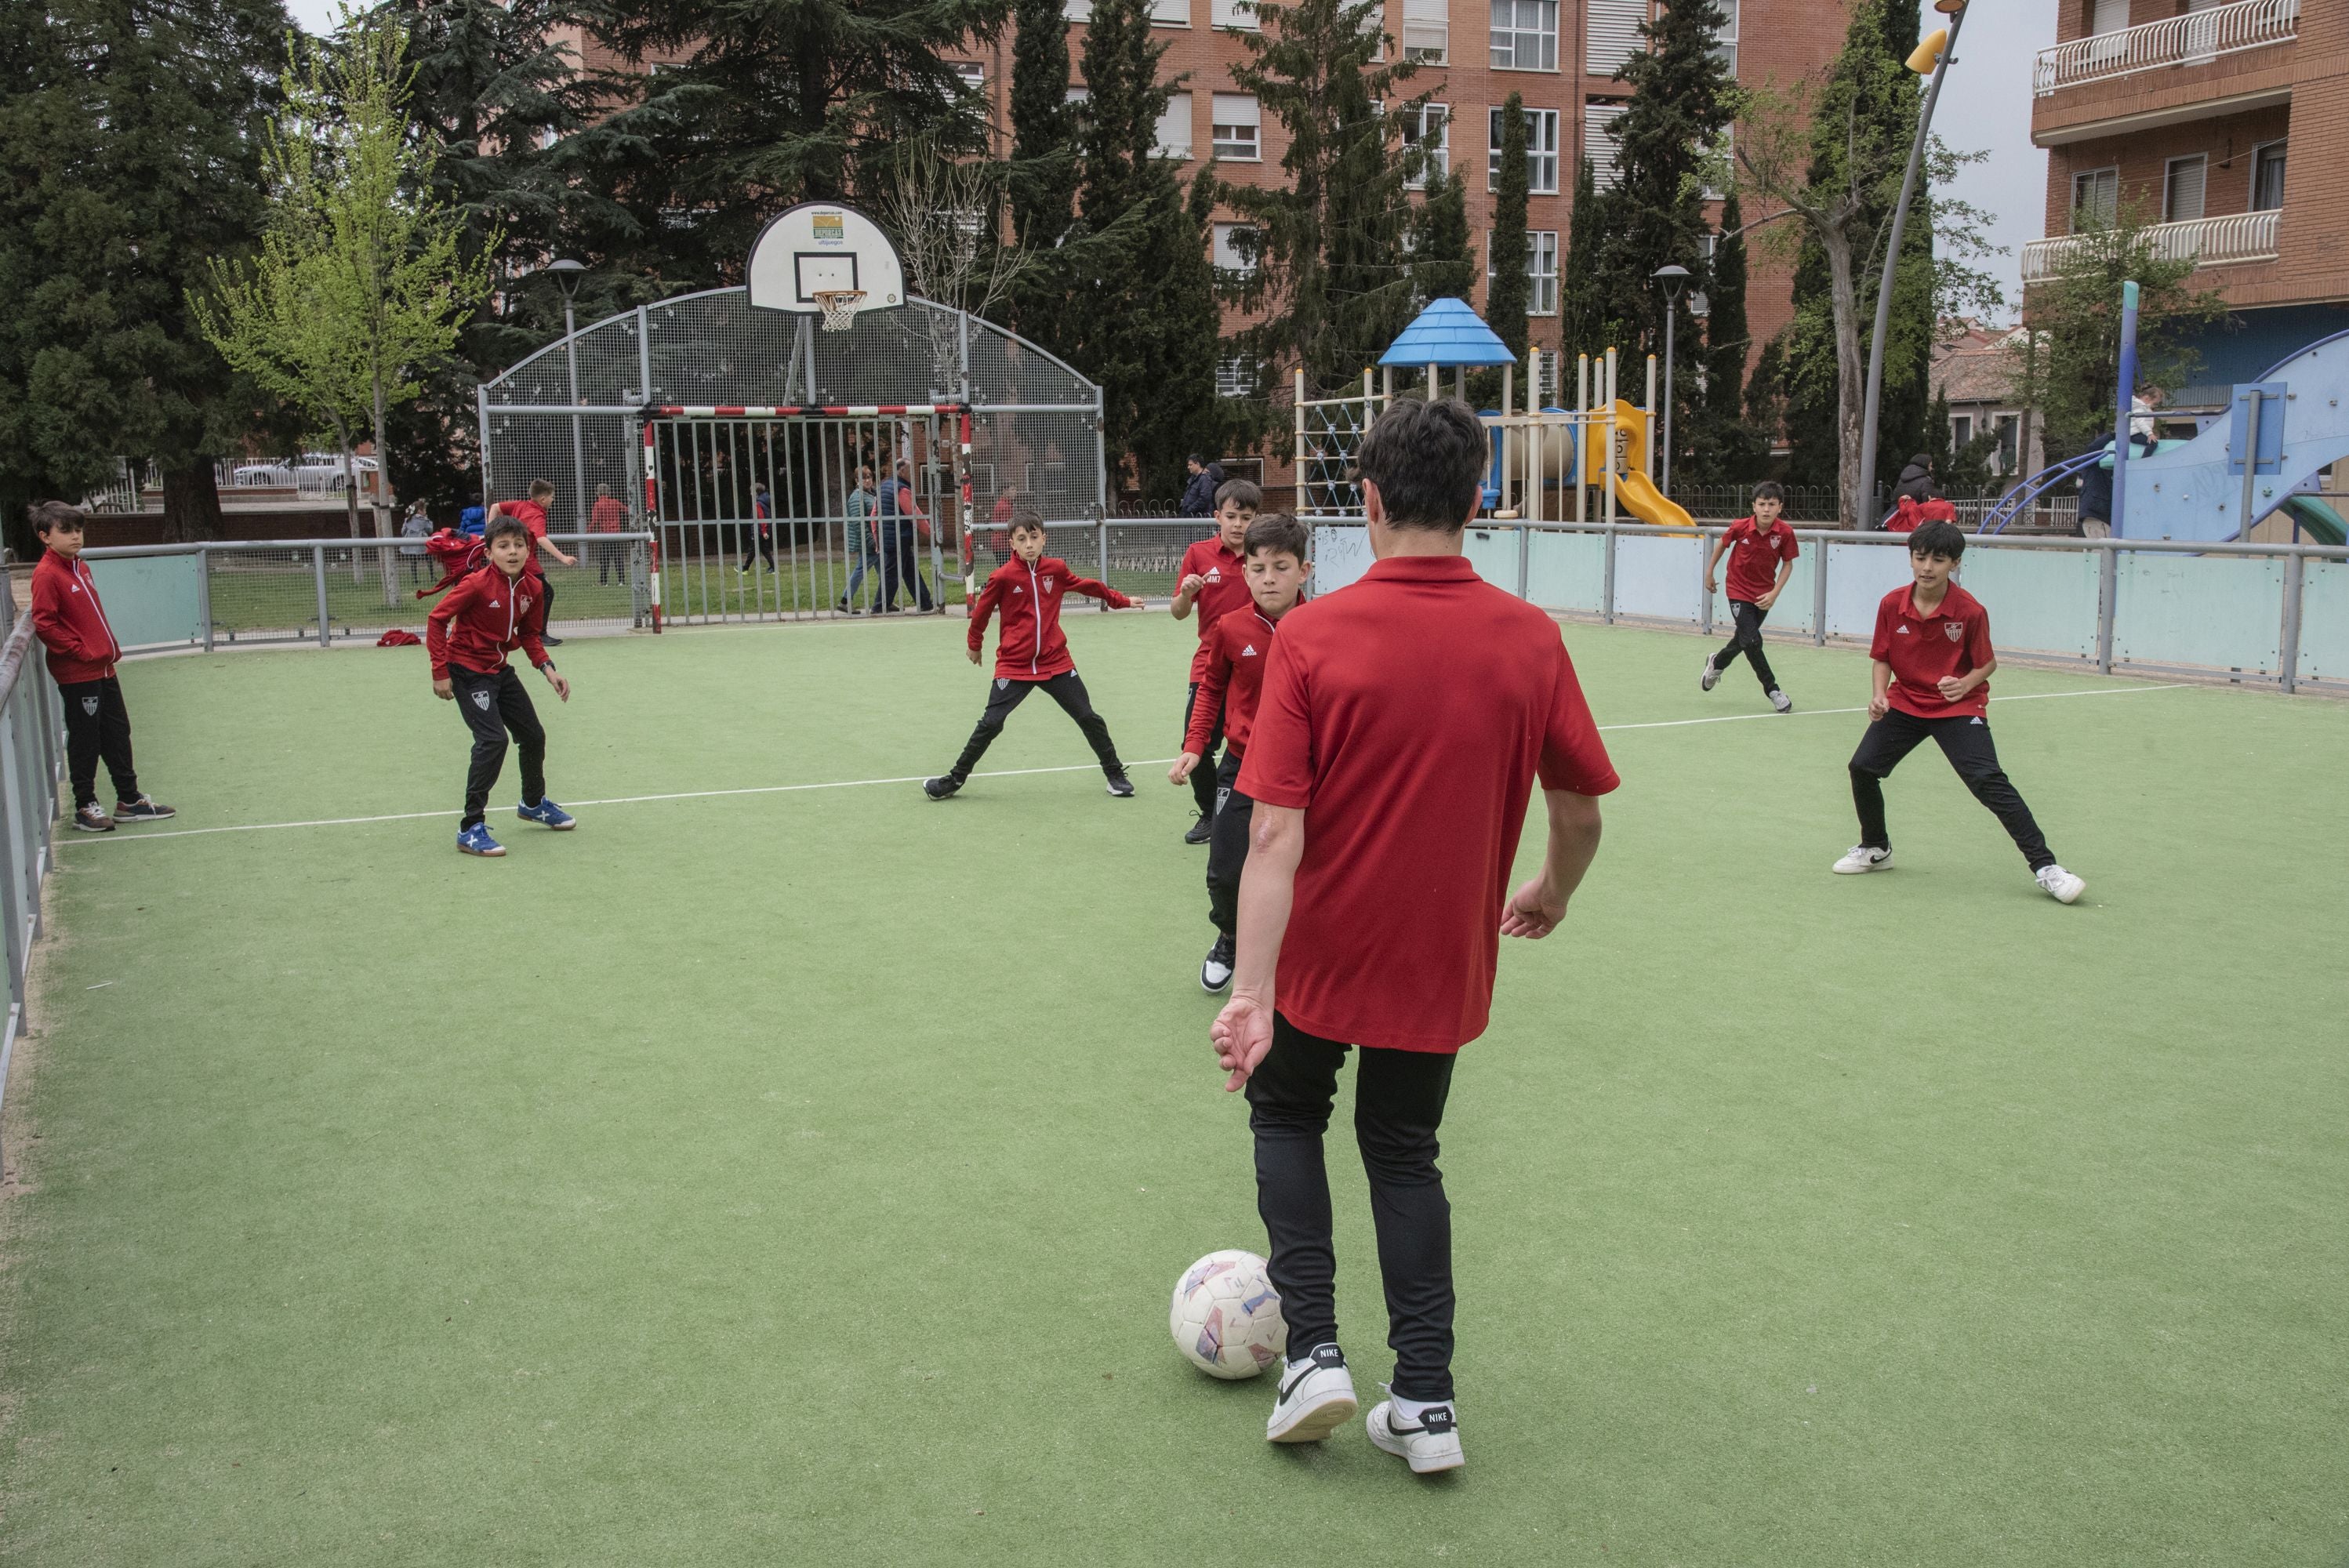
(1030, 653)
(1400, 733)
(82, 652)
(1762, 551)
(532, 514)
(1279, 552)
(1213, 578)
(468, 634)
(1933, 664)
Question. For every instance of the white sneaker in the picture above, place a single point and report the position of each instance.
(1710, 680)
(1316, 1397)
(1431, 1445)
(1215, 971)
(2061, 885)
(1780, 701)
(1864, 858)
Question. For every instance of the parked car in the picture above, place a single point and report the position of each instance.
(259, 476)
(323, 472)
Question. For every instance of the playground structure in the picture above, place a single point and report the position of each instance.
(1540, 453)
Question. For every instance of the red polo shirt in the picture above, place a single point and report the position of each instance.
(1227, 589)
(1755, 552)
(1408, 715)
(1921, 649)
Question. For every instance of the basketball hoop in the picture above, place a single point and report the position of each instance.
(839, 307)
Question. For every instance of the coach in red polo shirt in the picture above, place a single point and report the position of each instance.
(1403, 725)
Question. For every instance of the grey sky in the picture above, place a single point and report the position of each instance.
(1985, 107)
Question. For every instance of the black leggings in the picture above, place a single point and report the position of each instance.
(1966, 742)
(1203, 777)
(1065, 689)
(1227, 846)
(1398, 1105)
(491, 705)
(1747, 640)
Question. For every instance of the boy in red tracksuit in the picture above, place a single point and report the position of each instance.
(1762, 551)
(72, 626)
(1030, 652)
(496, 609)
(1214, 578)
(1279, 553)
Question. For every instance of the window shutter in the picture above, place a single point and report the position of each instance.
(1599, 143)
(1614, 34)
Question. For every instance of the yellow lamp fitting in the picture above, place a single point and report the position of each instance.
(1928, 53)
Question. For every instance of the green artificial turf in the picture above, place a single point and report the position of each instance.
(800, 1177)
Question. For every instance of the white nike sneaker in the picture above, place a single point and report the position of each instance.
(1710, 680)
(1863, 858)
(1430, 1445)
(2061, 885)
(1316, 1397)
(1780, 701)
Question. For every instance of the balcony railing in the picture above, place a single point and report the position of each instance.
(2206, 242)
(2188, 40)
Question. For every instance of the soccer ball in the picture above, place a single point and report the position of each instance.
(1226, 1317)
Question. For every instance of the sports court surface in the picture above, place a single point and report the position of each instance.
(785, 1169)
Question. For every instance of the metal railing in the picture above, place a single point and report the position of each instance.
(2206, 242)
(31, 754)
(2258, 614)
(2187, 40)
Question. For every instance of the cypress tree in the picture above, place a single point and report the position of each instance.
(1507, 288)
(1582, 319)
(1443, 264)
(1042, 179)
(1727, 450)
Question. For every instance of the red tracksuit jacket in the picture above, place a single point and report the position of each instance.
(483, 617)
(1237, 649)
(1031, 646)
(70, 620)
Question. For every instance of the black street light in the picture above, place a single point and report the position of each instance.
(1674, 278)
(568, 275)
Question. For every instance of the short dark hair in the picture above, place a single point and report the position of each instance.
(1274, 532)
(505, 524)
(1240, 492)
(46, 515)
(1195, 458)
(1428, 460)
(1770, 490)
(1937, 537)
(541, 487)
(1026, 518)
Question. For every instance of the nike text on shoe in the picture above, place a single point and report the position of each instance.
(1780, 701)
(146, 809)
(1316, 1397)
(92, 819)
(938, 788)
(476, 840)
(2061, 885)
(1216, 972)
(1200, 831)
(1120, 786)
(1710, 680)
(548, 813)
(1863, 858)
(1428, 1445)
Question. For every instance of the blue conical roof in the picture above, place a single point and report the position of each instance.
(1447, 333)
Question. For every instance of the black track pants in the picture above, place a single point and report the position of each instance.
(1203, 777)
(1227, 846)
(1067, 690)
(97, 725)
(1966, 742)
(1398, 1105)
(1747, 640)
(492, 704)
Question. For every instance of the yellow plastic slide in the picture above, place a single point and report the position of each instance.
(1642, 500)
(1633, 491)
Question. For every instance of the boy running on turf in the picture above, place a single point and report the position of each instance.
(1762, 551)
(82, 651)
(1032, 652)
(1401, 729)
(1279, 552)
(496, 609)
(1932, 669)
(1214, 578)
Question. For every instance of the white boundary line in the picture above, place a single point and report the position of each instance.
(1001, 773)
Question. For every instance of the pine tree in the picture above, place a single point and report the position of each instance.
(1727, 450)
(128, 159)
(1443, 262)
(1043, 178)
(1507, 287)
(1582, 319)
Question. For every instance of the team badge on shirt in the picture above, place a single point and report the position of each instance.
(1048, 584)
(1953, 629)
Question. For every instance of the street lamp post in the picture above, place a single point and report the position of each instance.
(1932, 56)
(568, 274)
(1674, 278)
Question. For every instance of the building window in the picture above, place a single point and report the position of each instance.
(2181, 189)
(2267, 176)
(1240, 13)
(1234, 377)
(1174, 126)
(1541, 152)
(1233, 134)
(1610, 35)
(1427, 131)
(1525, 35)
(2010, 430)
(2107, 16)
(1426, 32)
(1170, 13)
(1962, 430)
(1726, 50)
(1599, 140)
(2095, 199)
(1235, 249)
(1541, 271)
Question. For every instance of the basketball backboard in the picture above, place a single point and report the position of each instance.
(818, 247)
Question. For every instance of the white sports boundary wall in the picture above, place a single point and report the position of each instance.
(2274, 615)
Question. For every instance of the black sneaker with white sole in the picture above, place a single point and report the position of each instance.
(1215, 973)
(1428, 1443)
(1120, 786)
(941, 787)
(1316, 1397)
(1200, 831)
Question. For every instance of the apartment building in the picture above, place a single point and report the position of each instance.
(2190, 111)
